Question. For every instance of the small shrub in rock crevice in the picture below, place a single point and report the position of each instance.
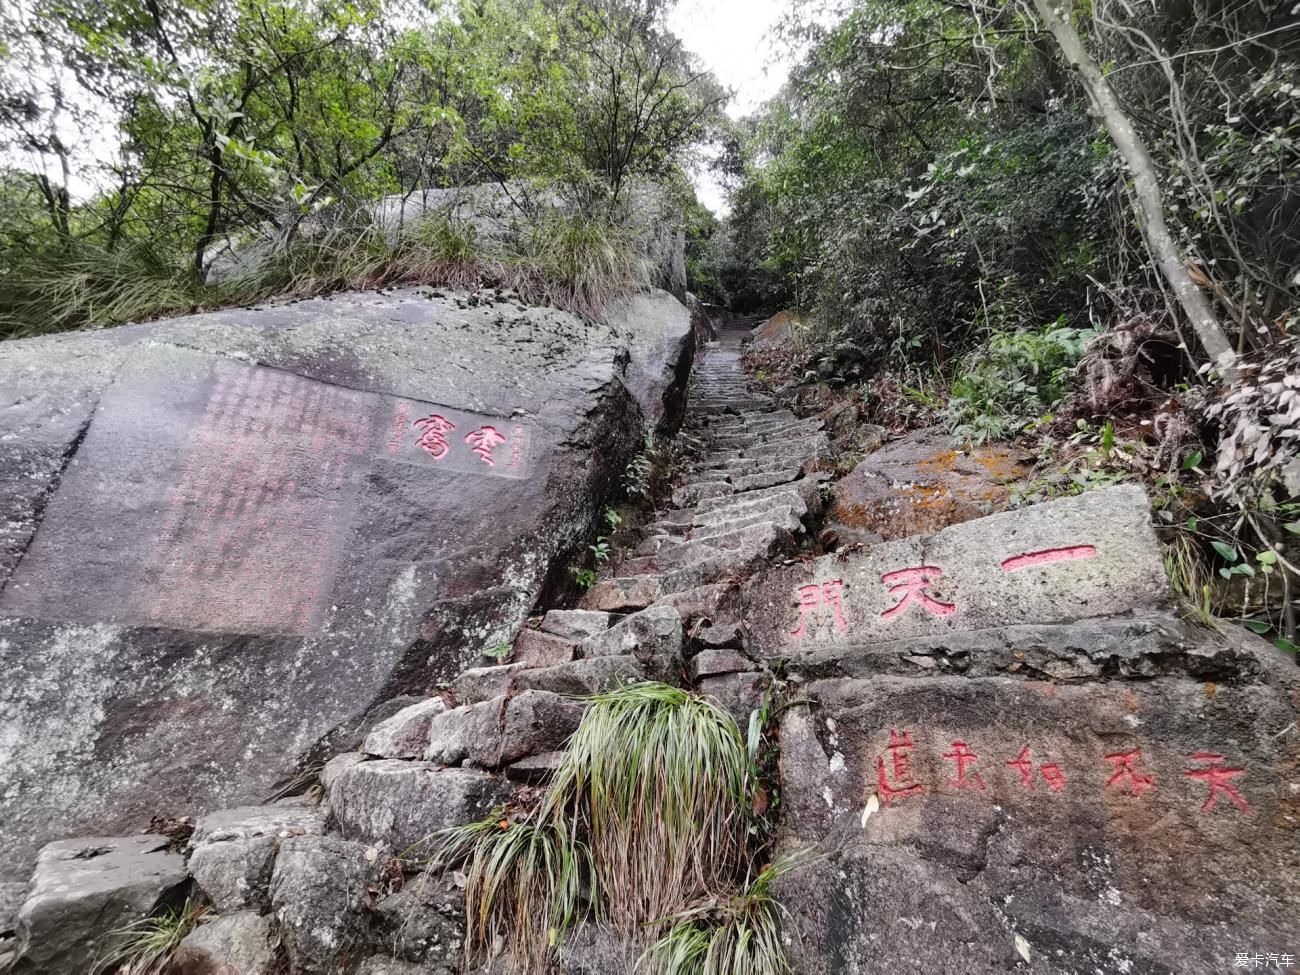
(645, 826)
(145, 947)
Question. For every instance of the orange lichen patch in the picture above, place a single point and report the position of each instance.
(927, 497)
(1211, 689)
(854, 515)
(941, 461)
(1000, 463)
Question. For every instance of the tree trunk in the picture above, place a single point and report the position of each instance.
(1146, 188)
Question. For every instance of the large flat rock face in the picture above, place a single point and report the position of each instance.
(1055, 769)
(226, 536)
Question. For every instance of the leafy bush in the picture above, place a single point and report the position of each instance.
(1013, 380)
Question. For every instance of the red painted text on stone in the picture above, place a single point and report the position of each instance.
(483, 441)
(909, 586)
(1050, 771)
(433, 435)
(962, 756)
(828, 595)
(1219, 778)
(1126, 773)
(900, 761)
(1046, 556)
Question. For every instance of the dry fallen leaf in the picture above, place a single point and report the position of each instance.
(1022, 947)
(872, 807)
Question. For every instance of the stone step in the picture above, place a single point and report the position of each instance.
(738, 547)
(806, 487)
(576, 624)
(764, 479)
(784, 517)
(802, 447)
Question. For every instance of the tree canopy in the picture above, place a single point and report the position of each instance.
(143, 133)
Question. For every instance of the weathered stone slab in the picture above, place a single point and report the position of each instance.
(252, 491)
(649, 632)
(232, 852)
(240, 943)
(576, 624)
(1116, 826)
(538, 649)
(425, 922)
(402, 804)
(405, 734)
(84, 890)
(230, 537)
(923, 483)
(1087, 556)
(321, 901)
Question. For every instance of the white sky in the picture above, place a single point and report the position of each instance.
(732, 38)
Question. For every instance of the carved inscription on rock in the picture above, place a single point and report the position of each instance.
(265, 497)
(210, 494)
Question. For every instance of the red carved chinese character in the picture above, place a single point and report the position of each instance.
(1051, 772)
(482, 441)
(1049, 555)
(811, 597)
(1053, 776)
(1219, 779)
(1024, 766)
(901, 761)
(1123, 765)
(433, 435)
(963, 756)
(909, 585)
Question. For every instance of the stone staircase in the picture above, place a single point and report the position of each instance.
(331, 881)
(744, 497)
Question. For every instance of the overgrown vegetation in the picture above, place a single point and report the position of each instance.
(648, 828)
(144, 145)
(1046, 223)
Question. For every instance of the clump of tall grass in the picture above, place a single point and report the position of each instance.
(740, 934)
(579, 263)
(145, 947)
(524, 887)
(648, 813)
(84, 284)
(583, 262)
(657, 780)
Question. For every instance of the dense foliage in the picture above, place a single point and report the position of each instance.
(931, 174)
(146, 138)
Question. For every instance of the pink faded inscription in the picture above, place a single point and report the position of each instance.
(902, 785)
(909, 586)
(433, 435)
(1126, 775)
(483, 441)
(1218, 778)
(829, 595)
(1049, 555)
